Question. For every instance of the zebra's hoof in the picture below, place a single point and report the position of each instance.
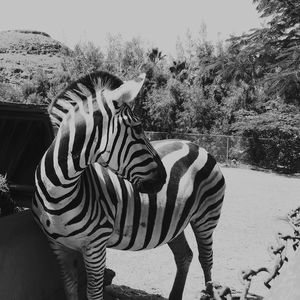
(108, 277)
(204, 295)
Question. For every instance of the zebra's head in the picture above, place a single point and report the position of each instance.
(127, 151)
(107, 131)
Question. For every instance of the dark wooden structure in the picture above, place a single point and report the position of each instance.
(25, 256)
(25, 134)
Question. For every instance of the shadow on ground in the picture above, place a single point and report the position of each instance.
(249, 297)
(122, 292)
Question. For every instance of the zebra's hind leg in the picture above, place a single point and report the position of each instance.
(183, 257)
(68, 260)
(205, 253)
(94, 259)
(203, 226)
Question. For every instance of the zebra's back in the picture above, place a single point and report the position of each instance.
(193, 192)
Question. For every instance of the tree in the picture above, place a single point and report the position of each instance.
(155, 55)
(114, 53)
(84, 59)
(274, 51)
(133, 57)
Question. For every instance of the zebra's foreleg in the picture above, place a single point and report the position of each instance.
(183, 257)
(94, 259)
(68, 260)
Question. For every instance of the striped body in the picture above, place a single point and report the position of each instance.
(193, 193)
(136, 221)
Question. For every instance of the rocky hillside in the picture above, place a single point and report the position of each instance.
(24, 52)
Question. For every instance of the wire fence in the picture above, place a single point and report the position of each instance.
(223, 147)
(233, 150)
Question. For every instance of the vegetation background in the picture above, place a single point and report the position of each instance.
(248, 86)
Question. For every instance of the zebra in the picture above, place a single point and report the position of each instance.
(193, 193)
(96, 127)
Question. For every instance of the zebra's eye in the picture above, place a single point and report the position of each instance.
(138, 128)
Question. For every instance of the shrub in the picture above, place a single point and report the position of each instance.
(9, 93)
(27, 89)
(37, 90)
(273, 139)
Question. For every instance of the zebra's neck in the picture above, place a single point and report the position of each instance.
(78, 144)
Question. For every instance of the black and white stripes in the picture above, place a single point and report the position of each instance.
(193, 193)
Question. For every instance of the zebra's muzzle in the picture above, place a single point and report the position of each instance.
(153, 183)
(149, 187)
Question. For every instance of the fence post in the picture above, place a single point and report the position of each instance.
(227, 151)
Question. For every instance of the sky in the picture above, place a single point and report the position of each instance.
(158, 22)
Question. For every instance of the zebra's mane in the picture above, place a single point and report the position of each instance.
(80, 90)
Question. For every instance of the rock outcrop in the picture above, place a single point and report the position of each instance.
(24, 52)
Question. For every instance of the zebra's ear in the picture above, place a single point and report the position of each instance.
(127, 92)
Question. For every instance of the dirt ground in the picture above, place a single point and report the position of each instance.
(248, 222)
